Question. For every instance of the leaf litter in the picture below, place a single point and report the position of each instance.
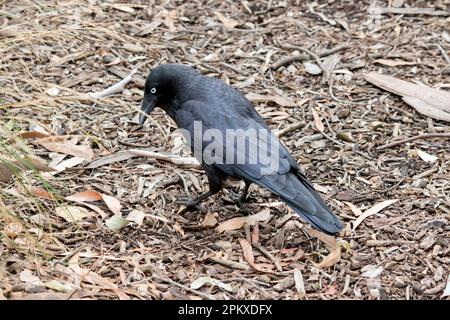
(338, 126)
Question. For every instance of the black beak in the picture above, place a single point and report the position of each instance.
(147, 106)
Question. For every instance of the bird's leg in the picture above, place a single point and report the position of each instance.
(214, 188)
(243, 196)
(190, 204)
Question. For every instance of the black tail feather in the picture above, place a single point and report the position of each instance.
(307, 203)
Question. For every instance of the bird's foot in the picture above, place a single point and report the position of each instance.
(238, 199)
(189, 205)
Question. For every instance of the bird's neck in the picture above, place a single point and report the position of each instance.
(171, 106)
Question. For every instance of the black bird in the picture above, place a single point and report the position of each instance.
(189, 97)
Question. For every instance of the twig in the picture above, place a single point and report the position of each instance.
(269, 255)
(332, 140)
(230, 264)
(70, 57)
(71, 254)
(412, 11)
(169, 182)
(253, 281)
(301, 57)
(330, 92)
(310, 138)
(290, 128)
(420, 136)
(112, 158)
(444, 53)
(425, 173)
(134, 145)
(190, 162)
(311, 54)
(382, 243)
(116, 88)
(183, 182)
(245, 5)
(182, 286)
(232, 68)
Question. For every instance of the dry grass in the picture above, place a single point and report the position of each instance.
(53, 55)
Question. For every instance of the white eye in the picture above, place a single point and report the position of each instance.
(153, 90)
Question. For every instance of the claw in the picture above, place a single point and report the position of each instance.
(189, 205)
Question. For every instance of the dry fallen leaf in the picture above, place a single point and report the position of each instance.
(41, 193)
(255, 234)
(248, 255)
(200, 282)
(44, 296)
(210, 220)
(137, 217)
(72, 213)
(426, 156)
(122, 7)
(299, 283)
(112, 203)
(317, 121)
(69, 163)
(90, 276)
(62, 145)
(58, 286)
(426, 100)
(178, 229)
(13, 229)
(237, 223)
(373, 210)
(331, 259)
(356, 211)
(394, 63)
(28, 277)
(330, 241)
(227, 22)
(116, 157)
(33, 135)
(9, 167)
(6, 172)
(85, 196)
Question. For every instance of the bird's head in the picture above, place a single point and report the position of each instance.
(158, 91)
(167, 86)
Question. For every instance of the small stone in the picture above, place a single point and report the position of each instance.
(401, 281)
(345, 136)
(312, 68)
(375, 125)
(417, 288)
(419, 183)
(427, 243)
(355, 264)
(436, 250)
(343, 113)
(400, 257)
(284, 284)
(108, 58)
(34, 288)
(292, 69)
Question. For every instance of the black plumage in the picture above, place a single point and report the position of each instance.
(188, 96)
